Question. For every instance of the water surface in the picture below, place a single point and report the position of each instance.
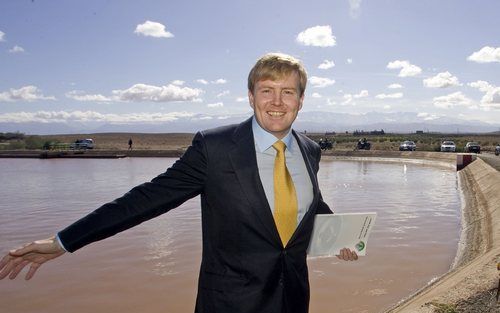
(154, 267)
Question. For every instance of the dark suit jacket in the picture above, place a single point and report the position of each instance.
(244, 266)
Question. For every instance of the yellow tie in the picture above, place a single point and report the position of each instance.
(285, 197)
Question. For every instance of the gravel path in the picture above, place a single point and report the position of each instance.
(491, 159)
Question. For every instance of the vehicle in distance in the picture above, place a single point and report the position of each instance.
(472, 147)
(363, 144)
(325, 144)
(407, 145)
(82, 144)
(448, 146)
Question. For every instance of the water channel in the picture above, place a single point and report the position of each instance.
(154, 267)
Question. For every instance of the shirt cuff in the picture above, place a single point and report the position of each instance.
(60, 243)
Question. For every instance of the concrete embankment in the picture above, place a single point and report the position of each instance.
(470, 284)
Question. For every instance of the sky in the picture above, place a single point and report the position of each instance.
(158, 61)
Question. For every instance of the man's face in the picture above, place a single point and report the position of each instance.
(276, 103)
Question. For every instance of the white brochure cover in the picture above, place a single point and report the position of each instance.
(333, 232)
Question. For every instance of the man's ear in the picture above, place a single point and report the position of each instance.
(251, 99)
(301, 101)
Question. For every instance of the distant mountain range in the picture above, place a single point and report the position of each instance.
(402, 122)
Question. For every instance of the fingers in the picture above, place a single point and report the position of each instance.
(32, 271)
(10, 263)
(17, 269)
(5, 266)
(347, 255)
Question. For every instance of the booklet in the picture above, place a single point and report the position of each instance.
(333, 232)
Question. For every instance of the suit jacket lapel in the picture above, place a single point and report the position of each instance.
(306, 154)
(244, 162)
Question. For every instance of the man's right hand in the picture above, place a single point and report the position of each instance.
(33, 254)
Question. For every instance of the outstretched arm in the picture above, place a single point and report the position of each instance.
(33, 254)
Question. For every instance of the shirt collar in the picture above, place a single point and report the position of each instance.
(264, 140)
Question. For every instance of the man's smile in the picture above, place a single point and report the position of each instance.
(275, 113)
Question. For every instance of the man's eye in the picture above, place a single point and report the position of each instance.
(289, 92)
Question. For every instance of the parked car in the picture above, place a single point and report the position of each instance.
(82, 144)
(448, 146)
(497, 149)
(472, 147)
(407, 145)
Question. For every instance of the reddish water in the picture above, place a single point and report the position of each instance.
(154, 267)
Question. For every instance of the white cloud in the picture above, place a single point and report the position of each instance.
(349, 61)
(16, 49)
(361, 94)
(241, 99)
(224, 93)
(396, 95)
(81, 96)
(219, 81)
(317, 36)
(387, 107)
(395, 86)
(178, 82)
(452, 100)
(407, 69)
(441, 80)
(354, 8)
(316, 95)
(169, 93)
(481, 85)
(202, 81)
(26, 93)
(215, 105)
(326, 65)
(2, 36)
(491, 98)
(485, 55)
(153, 29)
(427, 116)
(321, 82)
(85, 116)
(348, 98)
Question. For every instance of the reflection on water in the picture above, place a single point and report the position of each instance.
(154, 267)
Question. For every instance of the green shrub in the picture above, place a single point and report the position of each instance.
(34, 142)
(16, 145)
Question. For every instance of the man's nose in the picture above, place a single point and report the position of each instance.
(277, 98)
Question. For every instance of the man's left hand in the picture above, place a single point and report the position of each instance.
(347, 255)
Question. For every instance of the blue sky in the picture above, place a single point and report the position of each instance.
(157, 61)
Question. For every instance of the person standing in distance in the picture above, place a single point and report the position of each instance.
(259, 195)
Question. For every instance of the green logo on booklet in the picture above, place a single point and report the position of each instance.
(360, 246)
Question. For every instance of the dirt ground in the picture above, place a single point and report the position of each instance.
(119, 141)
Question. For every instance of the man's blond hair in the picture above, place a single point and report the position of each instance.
(275, 66)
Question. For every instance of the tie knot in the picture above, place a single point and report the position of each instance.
(279, 146)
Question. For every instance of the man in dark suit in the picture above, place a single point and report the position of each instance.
(259, 195)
